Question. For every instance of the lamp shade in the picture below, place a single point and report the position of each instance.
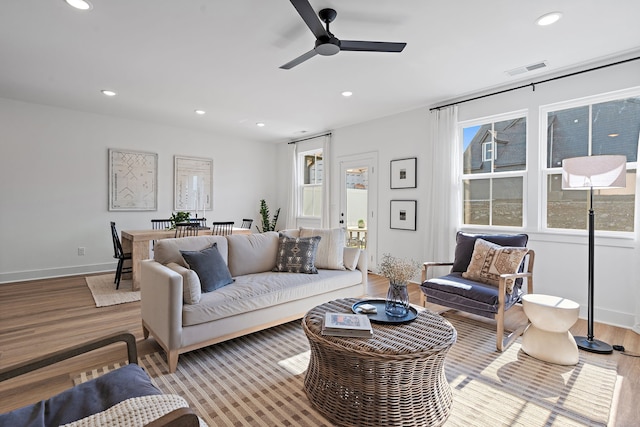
(579, 173)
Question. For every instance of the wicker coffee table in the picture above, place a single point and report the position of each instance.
(395, 378)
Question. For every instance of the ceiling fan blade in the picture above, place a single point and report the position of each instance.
(299, 60)
(310, 17)
(363, 46)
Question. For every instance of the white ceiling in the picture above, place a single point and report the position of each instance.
(166, 58)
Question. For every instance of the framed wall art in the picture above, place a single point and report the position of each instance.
(403, 173)
(193, 184)
(403, 214)
(133, 181)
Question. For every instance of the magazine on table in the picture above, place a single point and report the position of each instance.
(347, 325)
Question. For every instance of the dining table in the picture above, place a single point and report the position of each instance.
(136, 242)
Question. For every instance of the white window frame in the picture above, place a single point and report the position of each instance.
(507, 174)
(488, 152)
(546, 171)
(303, 186)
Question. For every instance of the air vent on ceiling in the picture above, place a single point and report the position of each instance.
(527, 68)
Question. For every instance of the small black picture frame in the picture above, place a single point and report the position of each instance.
(403, 214)
(403, 173)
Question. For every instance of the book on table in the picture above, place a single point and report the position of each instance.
(347, 325)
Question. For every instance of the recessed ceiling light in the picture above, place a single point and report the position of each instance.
(107, 92)
(199, 112)
(347, 93)
(260, 124)
(548, 18)
(79, 4)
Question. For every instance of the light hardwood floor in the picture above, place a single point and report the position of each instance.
(42, 316)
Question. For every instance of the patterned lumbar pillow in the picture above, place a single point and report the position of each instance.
(209, 266)
(297, 254)
(489, 261)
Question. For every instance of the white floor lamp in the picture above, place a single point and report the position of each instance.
(592, 173)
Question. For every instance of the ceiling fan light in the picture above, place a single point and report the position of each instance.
(79, 4)
(549, 18)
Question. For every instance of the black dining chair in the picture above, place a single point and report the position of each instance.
(246, 223)
(120, 255)
(161, 224)
(222, 228)
(201, 222)
(186, 229)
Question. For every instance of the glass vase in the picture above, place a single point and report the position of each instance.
(397, 302)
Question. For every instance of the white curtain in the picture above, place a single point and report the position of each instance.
(292, 202)
(443, 210)
(326, 183)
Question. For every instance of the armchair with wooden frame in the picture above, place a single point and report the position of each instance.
(459, 293)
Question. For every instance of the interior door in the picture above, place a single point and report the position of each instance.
(358, 202)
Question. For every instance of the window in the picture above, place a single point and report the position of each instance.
(598, 126)
(494, 166)
(312, 169)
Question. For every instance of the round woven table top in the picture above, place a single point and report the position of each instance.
(428, 334)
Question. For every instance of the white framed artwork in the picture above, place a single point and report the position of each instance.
(193, 184)
(133, 180)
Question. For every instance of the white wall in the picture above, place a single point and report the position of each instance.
(53, 184)
(561, 260)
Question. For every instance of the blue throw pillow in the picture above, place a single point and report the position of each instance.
(210, 268)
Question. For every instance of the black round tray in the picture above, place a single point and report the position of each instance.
(381, 316)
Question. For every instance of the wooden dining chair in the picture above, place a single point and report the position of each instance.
(246, 223)
(120, 255)
(185, 229)
(222, 228)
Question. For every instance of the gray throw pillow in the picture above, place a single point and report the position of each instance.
(297, 254)
(209, 266)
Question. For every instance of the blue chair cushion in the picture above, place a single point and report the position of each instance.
(84, 399)
(456, 292)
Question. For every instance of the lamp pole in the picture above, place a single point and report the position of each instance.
(588, 343)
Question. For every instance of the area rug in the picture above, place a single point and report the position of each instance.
(258, 380)
(104, 291)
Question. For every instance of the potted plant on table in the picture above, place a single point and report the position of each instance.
(399, 271)
(179, 217)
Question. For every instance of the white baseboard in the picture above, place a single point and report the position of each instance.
(21, 276)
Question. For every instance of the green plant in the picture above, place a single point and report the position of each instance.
(264, 214)
(178, 217)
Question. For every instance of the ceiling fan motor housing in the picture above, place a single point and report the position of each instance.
(327, 46)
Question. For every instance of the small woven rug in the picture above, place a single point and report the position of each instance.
(258, 380)
(104, 291)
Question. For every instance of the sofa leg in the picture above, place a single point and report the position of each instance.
(172, 360)
(145, 332)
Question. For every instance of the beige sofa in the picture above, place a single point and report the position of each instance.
(181, 319)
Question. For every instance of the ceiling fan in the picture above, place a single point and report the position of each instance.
(326, 43)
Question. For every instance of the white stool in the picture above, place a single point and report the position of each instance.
(547, 337)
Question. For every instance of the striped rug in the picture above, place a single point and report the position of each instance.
(257, 380)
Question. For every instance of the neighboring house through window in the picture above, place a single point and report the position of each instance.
(494, 167)
(607, 124)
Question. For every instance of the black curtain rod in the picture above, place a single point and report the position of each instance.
(311, 137)
(533, 85)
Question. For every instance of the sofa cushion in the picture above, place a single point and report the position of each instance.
(191, 287)
(168, 250)
(331, 246)
(209, 266)
(489, 261)
(252, 253)
(465, 243)
(258, 291)
(351, 256)
(297, 255)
